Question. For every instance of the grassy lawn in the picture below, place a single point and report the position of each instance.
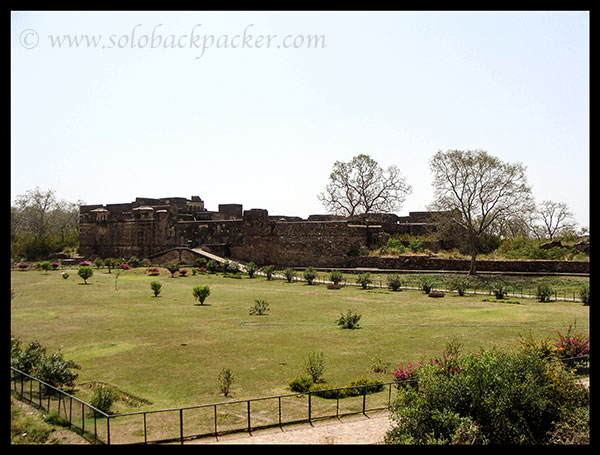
(169, 351)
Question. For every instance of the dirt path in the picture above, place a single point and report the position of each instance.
(358, 429)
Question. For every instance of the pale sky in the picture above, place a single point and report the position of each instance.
(255, 107)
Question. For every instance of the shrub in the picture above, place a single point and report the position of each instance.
(364, 279)
(394, 282)
(349, 320)
(289, 274)
(85, 272)
(426, 284)
(153, 271)
(45, 266)
(104, 397)
(53, 370)
(22, 266)
(225, 381)
(200, 262)
(251, 269)
(301, 384)
(364, 386)
(572, 345)
(125, 266)
(260, 307)
(232, 267)
(309, 275)
(499, 290)
(182, 272)
(134, 261)
(156, 287)
(65, 275)
(173, 268)
(315, 366)
(269, 270)
(200, 293)
(459, 285)
(496, 397)
(212, 265)
(336, 276)
(544, 292)
(405, 376)
(584, 295)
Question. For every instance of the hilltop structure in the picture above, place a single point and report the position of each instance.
(148, 228)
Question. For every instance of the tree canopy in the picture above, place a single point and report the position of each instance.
(362, 186)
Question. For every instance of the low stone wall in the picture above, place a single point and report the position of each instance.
(463, 265)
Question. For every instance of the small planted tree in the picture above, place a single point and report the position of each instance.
(289, 274)
(85, 272)
(225, 381)
(349, 320)
(156, 287)
(200, 293)
(45, 266)
(364, 279)
(315, 366)
(173, 268)
(544, 292)
(309, 275)
(251, 269)
(394, 282)
(259, 308)
(269, 270)
(336, 277)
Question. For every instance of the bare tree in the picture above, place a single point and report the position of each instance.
(554, 216)
(361, 186)
(481, 189)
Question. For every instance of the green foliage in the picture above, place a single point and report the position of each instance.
(349, 320)
(45, 266)
(259, 308)
(495, 397)
(584, 295)
(336, 276)
(200, 262)
(394, 246)
(173, 268)
(103, 397)
(85, 272)
(309, 275)
(225, 381)
(364, 279)
(156, 287)
(289, 274)
(251, 269)
(53, 369)
(544, 292)
(212, 265)
(315, 367)
(301, 384)
(269, 270)
(459, 285)
(426, 284)
(394, 282)
(499, 290)
(200, 293)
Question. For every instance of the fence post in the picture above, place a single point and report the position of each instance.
(249, 426)
(309, 408)
(181, 424)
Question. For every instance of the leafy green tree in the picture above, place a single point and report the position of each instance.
(200, 293)
(479, 192)
(309, 275)
(85, 272)
(156, 287)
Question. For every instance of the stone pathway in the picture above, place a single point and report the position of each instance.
(358, 429)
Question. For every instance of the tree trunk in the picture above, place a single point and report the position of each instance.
(473, 245)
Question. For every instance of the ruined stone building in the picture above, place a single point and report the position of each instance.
(147, 228)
